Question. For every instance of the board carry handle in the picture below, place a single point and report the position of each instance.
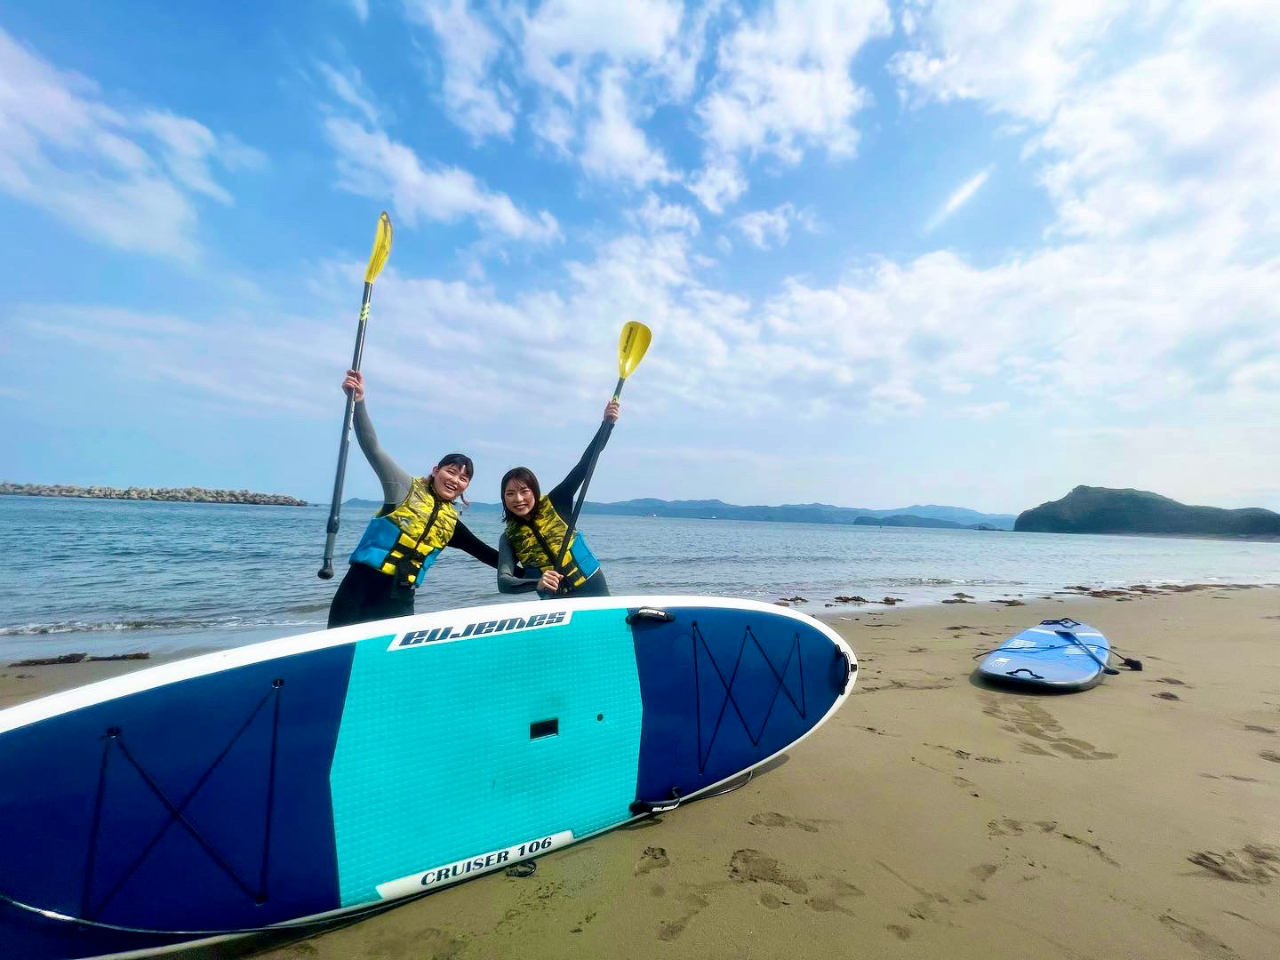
(649, 613)
(1028, 671)
(850, 668)
(649, 807)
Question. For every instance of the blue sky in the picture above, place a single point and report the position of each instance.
(891, 253)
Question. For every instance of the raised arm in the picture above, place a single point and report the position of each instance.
(395, 480)
(562, 494)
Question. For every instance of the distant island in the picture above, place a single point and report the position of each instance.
(1106, 510)
(174, 494)
(918, 515)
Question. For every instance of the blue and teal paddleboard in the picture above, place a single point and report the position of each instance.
(320, 775)
(1060, 654)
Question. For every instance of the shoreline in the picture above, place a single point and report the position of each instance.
(21, 642)
(933, 816)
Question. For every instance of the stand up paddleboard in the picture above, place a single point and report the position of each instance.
(320, 775)
(1061, 654)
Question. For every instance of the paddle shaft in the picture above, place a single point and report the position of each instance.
(1069, 635)
(586, 480)
(344, 444)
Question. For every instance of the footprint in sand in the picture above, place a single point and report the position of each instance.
(781, 820)
(653, 858)
(1255, 863)
(1021, 715)
(835, 890)
(693, 904)
(1254, 728)
(1166, 695)
(752, 866)
(1004, 828)
(982, 873)
(1270, 755)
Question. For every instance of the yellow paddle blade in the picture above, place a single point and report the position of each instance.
(381, 248)
(632, 344)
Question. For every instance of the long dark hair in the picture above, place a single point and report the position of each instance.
(525, 476)
(457, 460)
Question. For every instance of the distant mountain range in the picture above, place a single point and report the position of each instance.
(1083, 510)
(1107, 510)
(917, 515)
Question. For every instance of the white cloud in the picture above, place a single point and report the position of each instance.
(597, 69)
(719, 184)
(1020, 56)
(1177, 135)
(349, 89)
(198, 357)
(361, 9)
(963, 194)
(614, 147)
(124, 178)
(474, 97)
(1184, 139)
(772, 228)
(373, 165)
(592, 72)
(783, 80)
(656, 216)
(564, 38)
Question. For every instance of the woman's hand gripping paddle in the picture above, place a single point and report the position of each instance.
(377, 260)
(632, 344)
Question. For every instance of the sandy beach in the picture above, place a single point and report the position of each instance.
(933, 817)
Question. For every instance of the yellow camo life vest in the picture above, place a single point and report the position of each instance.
(406, 541)
(536, 543)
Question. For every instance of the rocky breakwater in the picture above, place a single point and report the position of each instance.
(173, 494)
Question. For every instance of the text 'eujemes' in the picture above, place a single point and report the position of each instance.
(480, 628)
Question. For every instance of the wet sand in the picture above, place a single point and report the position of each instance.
(933, 817)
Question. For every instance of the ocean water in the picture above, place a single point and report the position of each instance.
(112, 576)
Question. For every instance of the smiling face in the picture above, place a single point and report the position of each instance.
(450, 481)
(518, 497)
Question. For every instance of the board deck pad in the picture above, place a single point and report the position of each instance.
(328, 772)
(1052, 654)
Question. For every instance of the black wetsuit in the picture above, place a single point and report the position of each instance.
(513, 580)
(367, 594)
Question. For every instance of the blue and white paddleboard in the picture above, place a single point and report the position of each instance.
(1063, 654)
(318, 775)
